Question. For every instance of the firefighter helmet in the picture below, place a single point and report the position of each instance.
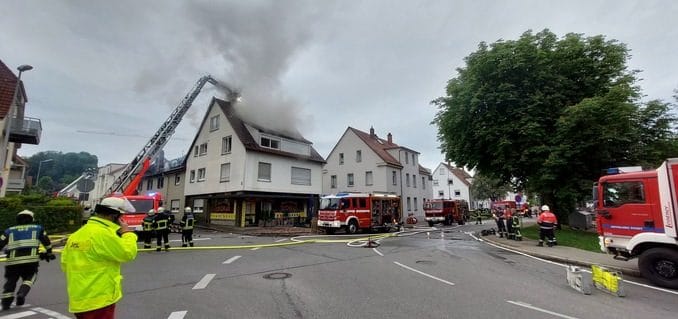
(151, 212)
(26, 212)
(161, 209)
(114, 204)
(187, 210)
(545, 208)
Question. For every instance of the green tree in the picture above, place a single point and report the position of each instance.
(547, 114)
(62, 168)
(488, 188)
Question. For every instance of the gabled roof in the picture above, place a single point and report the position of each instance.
(378, 145)
(424, 170)
(248, 140)
(459, 173)
(7, 87)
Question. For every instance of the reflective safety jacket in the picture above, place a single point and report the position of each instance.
(187, 222)
(547, 220)
(162, 221)
(22, 243)
(149, 223)
(91, 261)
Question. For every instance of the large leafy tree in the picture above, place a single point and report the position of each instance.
(547, 114)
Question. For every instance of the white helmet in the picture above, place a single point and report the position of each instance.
(545, 208)
(151, 212)
(161, 209)
(187, 210)
(116, 203)
(26, 212)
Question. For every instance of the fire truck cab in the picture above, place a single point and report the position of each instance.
(142, 204)
(445, 211)
(636, 217)
(355, 211)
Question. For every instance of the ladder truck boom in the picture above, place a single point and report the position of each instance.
(127, 181)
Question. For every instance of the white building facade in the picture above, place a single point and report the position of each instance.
(451, 182)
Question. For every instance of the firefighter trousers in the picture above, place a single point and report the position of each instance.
(148, 238)
(547, 233)
(186, 237)
(163, 234)
(509, 229)
(501, 227)
(28, 273)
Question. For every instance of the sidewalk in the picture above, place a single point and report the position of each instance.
(567, 255)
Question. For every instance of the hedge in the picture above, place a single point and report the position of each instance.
(56, 215)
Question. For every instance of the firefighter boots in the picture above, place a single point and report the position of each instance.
(540, 244)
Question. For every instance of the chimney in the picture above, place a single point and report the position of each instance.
(371, 131)
(389, 137)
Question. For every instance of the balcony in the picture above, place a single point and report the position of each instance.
(15, 185)
(25, 130)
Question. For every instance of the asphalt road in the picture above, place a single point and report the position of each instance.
(443, 274)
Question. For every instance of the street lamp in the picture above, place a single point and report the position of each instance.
(10, 115)
(37, 179)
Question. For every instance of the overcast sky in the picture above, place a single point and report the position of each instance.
(121, 67)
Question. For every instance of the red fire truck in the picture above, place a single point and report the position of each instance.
(445, 211)
(355, 211)
(636, 217)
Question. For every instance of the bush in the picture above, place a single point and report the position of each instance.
(57, 216)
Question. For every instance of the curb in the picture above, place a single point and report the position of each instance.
(257, 233)
(569, 261)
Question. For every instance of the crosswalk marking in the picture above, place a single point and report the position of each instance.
(53, 314)
(204, 281)
(230, 260)
(19, 315)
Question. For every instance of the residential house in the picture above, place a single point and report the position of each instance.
(240, 173)
(106, 175)
(364, 162)
(80, 188)
(16, 129)
(451, 182)
(166, 178)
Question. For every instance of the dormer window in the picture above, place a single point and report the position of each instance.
(270, 143)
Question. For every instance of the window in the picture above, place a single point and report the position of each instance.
(441, 194)
(203, 149)
(409, 205)
(270, 143)
(177, 179)
(198, 205)
(264, 172)
(341, 158)
(457, 193)
(423, 182)
(161, 182)
(349, 179)
(301, 176)
(394, 177)
(358, 156)
(414, 183)
(195, 151)
(369, 178)
(201, 174)
(617, 194)
(441, 172)
(149, 183)
(416, 207)
(175, 204)
(407, 161)
(226, 144)
(214, 123)
(407, 180)
(414, 163)
(225, 172)
(435, 182)
(333, 181)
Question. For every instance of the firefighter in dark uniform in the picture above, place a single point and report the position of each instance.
(508, 216)
(162, 221)
(187, 222)
(23, 242)
(149, 228)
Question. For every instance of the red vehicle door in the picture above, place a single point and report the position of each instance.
(629, 206)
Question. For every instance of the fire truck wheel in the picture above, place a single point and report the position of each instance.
(430, 224)
(352, 227)
(660, 265)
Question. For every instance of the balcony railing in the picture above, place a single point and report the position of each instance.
(16, 184)
(25, 130)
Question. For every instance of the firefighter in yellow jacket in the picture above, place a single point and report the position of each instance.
(92, 257)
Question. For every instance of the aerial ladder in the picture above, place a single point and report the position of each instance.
(133, 173)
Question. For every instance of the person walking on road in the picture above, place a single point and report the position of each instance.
(162, 224)
(149, 228)
(23, 242)
(92, 257)
(499, 218)
(546, 221)
(187, 222)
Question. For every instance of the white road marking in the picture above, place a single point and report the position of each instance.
(423, 273)
(230, 260)
(527, 305)
(19, 315)
(281, 240)
(51, 313)
(177, 315)
(563, 265)
(204, 281)
(256, 248)
(378, 252)
(194, 239)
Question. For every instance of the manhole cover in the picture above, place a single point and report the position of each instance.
(277, 275)
(425, 262)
